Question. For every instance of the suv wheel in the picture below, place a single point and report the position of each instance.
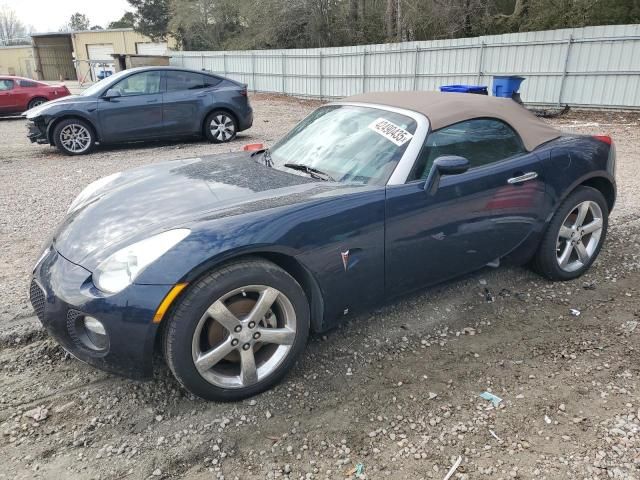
(74, 137)
(220, 127)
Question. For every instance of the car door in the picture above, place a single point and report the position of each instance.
(184, 101)
(473, 218)
(135, 113)
(8, 102)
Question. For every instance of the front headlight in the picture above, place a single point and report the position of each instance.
(120, 270)
(90, 190)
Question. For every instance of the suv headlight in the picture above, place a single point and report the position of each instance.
(91, 189)
(120, 269)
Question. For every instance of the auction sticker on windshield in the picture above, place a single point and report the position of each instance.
(390, 131)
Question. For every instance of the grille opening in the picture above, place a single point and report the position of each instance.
(38, 299)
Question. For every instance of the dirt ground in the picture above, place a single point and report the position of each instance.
(391, 394)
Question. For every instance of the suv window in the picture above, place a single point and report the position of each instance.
(177, 81)
(143, 83)
(481, 141)
(27, 83)
(5, 85)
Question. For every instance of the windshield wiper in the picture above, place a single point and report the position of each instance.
(313, 172)
(266, 156)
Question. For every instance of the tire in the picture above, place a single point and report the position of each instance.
(34, 102)
(192, 335)
(557, 257)
(220, 126)
(81, 144)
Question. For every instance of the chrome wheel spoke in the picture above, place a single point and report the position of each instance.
(565, 232)
(581, 250)
(583, 209)
(221, 314)
(248, 370)
(563, 259)
(207, 360)
(280, 336)
(264, 303)
(593, 226)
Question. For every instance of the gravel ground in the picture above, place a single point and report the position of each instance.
(392, 394)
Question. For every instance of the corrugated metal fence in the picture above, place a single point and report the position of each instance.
(591, 66)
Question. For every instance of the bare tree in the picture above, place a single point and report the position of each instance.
(12, 30)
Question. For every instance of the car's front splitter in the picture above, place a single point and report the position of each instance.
(63, 295)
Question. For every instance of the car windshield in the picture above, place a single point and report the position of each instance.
(345, 143)
(98, 86)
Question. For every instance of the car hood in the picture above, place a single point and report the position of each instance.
(151, 199)
(53, 105)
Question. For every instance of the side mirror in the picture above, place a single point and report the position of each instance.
(445, 165)
(111, 93)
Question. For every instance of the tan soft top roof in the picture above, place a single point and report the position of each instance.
(443, 109)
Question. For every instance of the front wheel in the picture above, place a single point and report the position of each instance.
(237, 331)
(74, 137)
(574, 236)
(220, 127)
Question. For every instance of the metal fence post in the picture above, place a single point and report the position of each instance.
(253, 71)
(565, 70)
(320, 69)
(480, 63)
(224, 63)
(201, 61)
(415, 68)
(364, 70)
(284, 91)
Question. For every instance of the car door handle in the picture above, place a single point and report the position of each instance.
(523, 178)
(153, 101)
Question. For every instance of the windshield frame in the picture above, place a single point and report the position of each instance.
(99, 88)
(405, 164)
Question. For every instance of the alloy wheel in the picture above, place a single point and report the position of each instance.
(36, 103)
(244, 336)
(579, 236)
(75, 138)
(222, 127)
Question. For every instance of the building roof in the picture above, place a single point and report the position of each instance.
(443, 109)
(71, 32)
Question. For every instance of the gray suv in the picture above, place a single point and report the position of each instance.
(146, 103)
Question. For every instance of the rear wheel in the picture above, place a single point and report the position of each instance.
(74, 137)
(36, 102)
(220, 126)
(237, 331)
(574, 237)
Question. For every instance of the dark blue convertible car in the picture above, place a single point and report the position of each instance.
(225, 263)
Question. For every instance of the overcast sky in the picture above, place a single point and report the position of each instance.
(50, 15)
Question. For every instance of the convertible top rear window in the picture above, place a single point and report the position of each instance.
(349, 143)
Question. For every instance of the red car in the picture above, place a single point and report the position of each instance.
(18, 94)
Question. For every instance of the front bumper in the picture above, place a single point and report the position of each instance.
(37, 132)
(62, 291)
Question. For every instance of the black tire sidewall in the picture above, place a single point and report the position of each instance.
(207, 122)
(184, 319)
(546, 258)
(58, 128)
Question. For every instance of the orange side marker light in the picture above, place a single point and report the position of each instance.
(168, 300)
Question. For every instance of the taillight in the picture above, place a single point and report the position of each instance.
(243, 92)
(604, 138)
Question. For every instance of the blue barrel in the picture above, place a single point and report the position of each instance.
(478, 89)
(506, 86)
